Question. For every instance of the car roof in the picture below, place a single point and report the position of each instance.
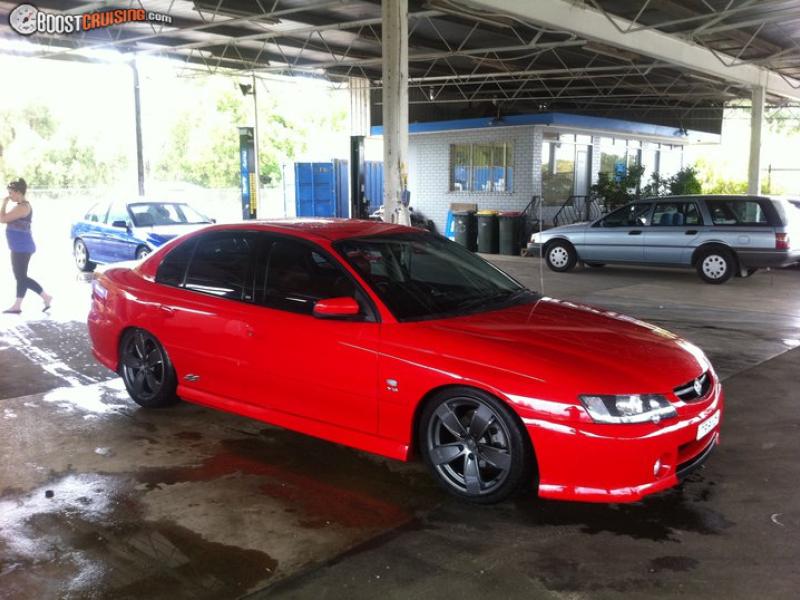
(328, 229)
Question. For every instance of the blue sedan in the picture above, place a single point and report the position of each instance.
(120, 231)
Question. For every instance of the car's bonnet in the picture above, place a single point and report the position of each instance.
(597, 351)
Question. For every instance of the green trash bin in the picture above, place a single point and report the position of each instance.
(464, 228)
(510, 227)
(487, 232)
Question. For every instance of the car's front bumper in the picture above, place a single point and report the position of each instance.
(590, 464)
(534, 249)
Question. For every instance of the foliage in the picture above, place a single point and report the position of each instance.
(682, 183)
(712, 183)
(615, 193)
(34, 145)
(204, 142)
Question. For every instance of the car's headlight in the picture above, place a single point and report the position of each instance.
(535, 238)
(628, 408)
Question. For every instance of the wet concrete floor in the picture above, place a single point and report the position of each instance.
(101, 499)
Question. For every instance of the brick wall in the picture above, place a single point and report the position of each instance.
(429, 170)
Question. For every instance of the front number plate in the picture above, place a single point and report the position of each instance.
(706, 426)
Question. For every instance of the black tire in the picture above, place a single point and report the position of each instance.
(81, 255)
(716, 265)
(142, 252)
(146, 370)
(560, 256)
(474, 446)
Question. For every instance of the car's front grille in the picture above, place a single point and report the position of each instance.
(694, 390)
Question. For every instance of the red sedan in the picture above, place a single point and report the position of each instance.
(400, 342)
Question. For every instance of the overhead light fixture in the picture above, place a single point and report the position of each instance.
(246, 89)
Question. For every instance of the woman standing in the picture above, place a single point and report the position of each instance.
(20, 242)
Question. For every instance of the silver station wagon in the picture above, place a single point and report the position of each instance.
(719, 236)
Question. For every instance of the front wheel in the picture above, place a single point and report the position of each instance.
(142, 252)
(146, 370)
(716, 265)
(474, 446)
(560, 256)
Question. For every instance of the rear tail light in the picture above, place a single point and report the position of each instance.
(781, 241)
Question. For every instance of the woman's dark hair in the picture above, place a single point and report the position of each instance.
(18, 186)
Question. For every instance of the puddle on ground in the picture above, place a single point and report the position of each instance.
(322, 483)
(84, 536)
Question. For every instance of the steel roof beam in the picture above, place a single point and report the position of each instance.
(594, 25)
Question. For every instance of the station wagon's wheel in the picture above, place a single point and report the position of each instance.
(142, 252)
(146, 370)
(560, 256)
(716, 265)
(474, 446)
(81, 254)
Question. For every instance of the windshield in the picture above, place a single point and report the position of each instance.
(149, 214)
(424, 276)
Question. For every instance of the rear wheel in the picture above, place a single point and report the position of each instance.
(560, 256)
(142, 252)
(81, 255)
(474, 446)
(146, 370)
(716, 265)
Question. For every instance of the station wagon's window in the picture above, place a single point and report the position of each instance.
(632, 215)
(668, 214)
(221, 265)
(736, 212)
(172, 269)
(293, 276)
(97, 214)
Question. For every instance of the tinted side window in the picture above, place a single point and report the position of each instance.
(632, 215)
(736, 212)
(173, 268)
(118, 212)
(295, 276)
(97, 214)
(221, 265)
(676, 213)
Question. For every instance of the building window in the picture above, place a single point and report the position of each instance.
(481, 167)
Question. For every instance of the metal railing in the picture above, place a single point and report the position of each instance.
(578, 208)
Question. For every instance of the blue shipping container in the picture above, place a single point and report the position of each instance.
(321, 189)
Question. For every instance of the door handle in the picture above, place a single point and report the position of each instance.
(635, 232)
(691, 232)
(168, 310)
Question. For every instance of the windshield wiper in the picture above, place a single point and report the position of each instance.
(491, 299)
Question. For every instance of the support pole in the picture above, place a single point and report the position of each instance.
(256, 146)
(395, 110)
(137, 108)
(359, 129)
(756, 122)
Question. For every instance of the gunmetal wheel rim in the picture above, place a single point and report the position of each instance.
(469, 445)
(80, 254)
(143, 365)
(559, 257)
(714, 266)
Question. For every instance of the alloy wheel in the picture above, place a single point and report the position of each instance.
(468, 443)
(81, 254)
(143, 365)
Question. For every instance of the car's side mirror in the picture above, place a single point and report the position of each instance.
(120, 224)
(336, 308)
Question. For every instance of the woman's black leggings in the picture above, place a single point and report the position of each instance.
(19, 263)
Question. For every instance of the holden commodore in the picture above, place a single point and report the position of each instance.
(119, 231)
(402, 343)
